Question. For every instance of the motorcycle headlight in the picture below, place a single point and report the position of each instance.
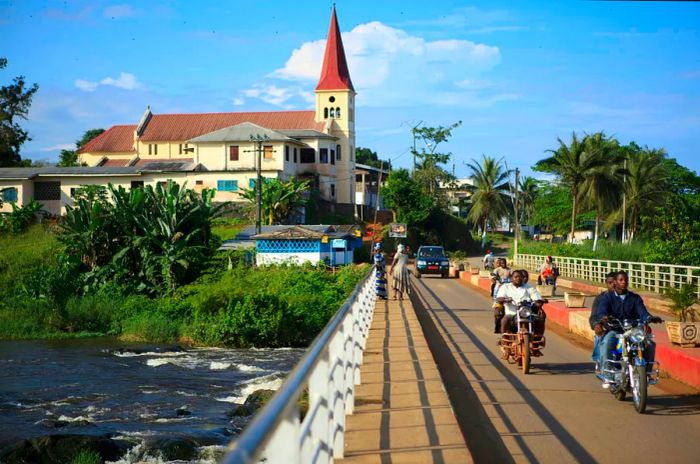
(637, 335)
(420, 262)
(525, 313)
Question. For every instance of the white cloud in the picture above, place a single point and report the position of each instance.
(238, 101)
(276, 95)
(389, 67)
(118, 11)
(60, 146)
(86, 86)
(125, 81)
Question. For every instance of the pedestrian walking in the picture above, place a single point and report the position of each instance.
(399, 273)
(379, 272)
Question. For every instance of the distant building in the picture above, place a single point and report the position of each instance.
(214, 150)
(333, 245)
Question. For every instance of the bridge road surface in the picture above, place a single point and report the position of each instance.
(559, 413)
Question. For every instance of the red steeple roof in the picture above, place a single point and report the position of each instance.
(334, 73)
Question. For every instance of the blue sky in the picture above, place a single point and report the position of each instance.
(518, 74)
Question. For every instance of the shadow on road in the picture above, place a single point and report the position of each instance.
(561, 368)
(674, 405)
(577, 451)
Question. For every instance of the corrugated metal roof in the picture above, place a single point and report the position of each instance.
(116, 138)
(96, 171)
(180, 127)
(242, 133)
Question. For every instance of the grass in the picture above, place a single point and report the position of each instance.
(21, 253)
(611, 251)
(227, 228)
(87, 457)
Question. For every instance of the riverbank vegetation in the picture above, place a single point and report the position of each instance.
(144, 266)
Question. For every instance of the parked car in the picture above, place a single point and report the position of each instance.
(432, 260)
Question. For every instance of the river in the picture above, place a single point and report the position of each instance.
(144, 393)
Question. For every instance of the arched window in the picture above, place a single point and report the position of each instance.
(337, 112)
(325, 113)
(337, 152)
(332, 113)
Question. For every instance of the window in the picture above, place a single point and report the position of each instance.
(331, 99)
(226, 185)
(72, 192)
(337, 152)
(332, 113)
(308, 155)
(199, 182)
(152, 148)
(45, 191)
(337, 112)
(332, 156)
(233, 153)
(251, 183)
(286, 152)
(179, 149)
(136, 184)
(9, 195)
(267, 151)
(323, 157)
(325, 113)
(332, 190)
(295, 154)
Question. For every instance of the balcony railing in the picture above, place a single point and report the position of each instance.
(329, 369)
(644, 276)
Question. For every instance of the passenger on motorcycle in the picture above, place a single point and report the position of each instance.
(489, 260)
(500, 275)
(511, 293)
(621, 304)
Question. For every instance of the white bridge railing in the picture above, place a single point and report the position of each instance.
(644, 276)
(329, 369)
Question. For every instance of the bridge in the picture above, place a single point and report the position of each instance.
(422, 380)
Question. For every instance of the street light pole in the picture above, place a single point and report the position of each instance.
(258, 141)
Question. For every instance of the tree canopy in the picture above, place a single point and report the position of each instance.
(70, 157)
(370, 158)
(15, 100)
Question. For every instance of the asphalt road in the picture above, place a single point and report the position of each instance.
(559, 413)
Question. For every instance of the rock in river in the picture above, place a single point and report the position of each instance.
(255, 401)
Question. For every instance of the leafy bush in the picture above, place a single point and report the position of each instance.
(20, 217)
(683, 300)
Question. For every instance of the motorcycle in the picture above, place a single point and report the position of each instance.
(627, 371)
(519, 347)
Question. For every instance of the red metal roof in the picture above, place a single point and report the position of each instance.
(116, 138)
(334, 72)
(114, 163)
(182, 127)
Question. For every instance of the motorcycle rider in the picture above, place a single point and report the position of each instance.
(610, 283)
(621, 304)
(488, 260)
(517, 291)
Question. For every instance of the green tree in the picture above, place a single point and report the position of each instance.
(429, 171)
(603, 187)
(529, 189)
(278, 199)
(646, 185)
(68, 158)
(489, 200)
(370, 158)
(573, 164)
(15, 100)
(410, 203)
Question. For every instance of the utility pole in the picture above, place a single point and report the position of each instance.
(413, 132)
(517, 213)
(624, 203)
(258, 140)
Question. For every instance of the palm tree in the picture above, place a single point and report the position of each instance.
(278, 199)
(573, 164)
(603, 186)
(645, 185)
(528, 194)
(489, 198)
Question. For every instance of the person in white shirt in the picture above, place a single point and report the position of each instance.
(514, 292)
(489, 260)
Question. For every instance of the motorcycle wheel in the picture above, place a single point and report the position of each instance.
(639, 391)
(526, 353)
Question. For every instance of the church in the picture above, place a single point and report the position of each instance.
(216, 150)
